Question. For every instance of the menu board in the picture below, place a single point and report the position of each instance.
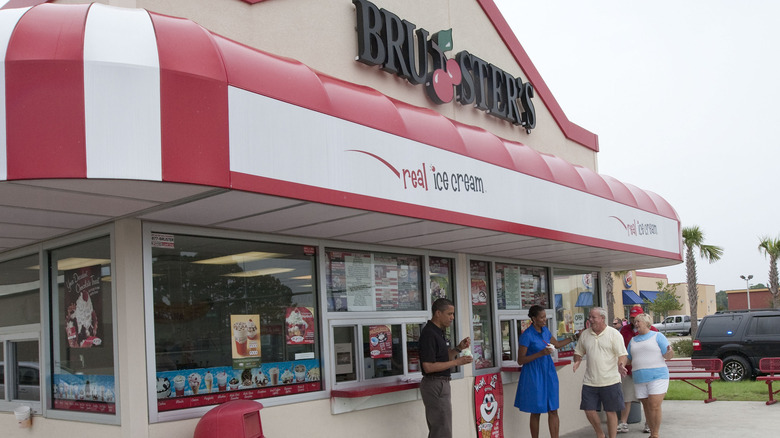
(512, 292)
(359, 282)
(364, 282)
(519, 287)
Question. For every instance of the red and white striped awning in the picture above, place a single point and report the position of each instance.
(99, 92)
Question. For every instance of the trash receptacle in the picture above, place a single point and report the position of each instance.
(234, 419)
(635, 413)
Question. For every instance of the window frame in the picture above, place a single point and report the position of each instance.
(47, 341)
(150, 227)
(20, 333)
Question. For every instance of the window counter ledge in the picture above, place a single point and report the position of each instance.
(371, 396)
(517, 368)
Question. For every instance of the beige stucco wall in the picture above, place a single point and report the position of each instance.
(707, 304)
(322, 35)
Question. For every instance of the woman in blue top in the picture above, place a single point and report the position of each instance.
(537, 390)
(648, 352)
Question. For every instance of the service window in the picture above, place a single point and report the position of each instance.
(83, 353)
(376, 309)
(575, 293)
(232, 319)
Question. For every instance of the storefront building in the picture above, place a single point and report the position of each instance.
(211, 200)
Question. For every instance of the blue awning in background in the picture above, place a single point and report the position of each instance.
(649, 295)
(558, 301)
(630, 298)
(584, 299)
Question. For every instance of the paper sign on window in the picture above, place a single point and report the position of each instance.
(299, 322)
(245, 340)
(84, 306)
(380, 341)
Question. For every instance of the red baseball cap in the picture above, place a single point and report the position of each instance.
(636, 310)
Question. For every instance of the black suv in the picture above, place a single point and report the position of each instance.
(740, 339)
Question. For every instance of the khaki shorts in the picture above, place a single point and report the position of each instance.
(627, 385)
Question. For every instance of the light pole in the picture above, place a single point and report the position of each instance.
(747, 287)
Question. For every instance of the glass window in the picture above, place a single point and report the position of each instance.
(765, 325)
(482, 315)
(576, 292)
(344, 341)
(26, 359)
(520, 287)
(723, 326)
(368, 282)
(382, 351)
(83, 327)
(232, 319)
(20, 296)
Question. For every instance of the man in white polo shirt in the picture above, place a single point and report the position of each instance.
(605, 356)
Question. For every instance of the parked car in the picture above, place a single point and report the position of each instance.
(740, 339)
(680, 324)
(28, 378)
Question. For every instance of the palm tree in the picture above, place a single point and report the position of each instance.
(693, 238)
(771, 247)
(610, 283)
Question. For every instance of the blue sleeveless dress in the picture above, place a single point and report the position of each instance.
(537, 390)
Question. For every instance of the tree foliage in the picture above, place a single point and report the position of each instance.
(771, 247)
(666, 300)
(693, 239)
(721, 301)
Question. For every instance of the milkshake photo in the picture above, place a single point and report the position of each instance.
(239, 336)
(178, 385)
(222, 381)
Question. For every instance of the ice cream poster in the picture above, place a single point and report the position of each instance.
(83, 305)
(489, 403)
(299, 322)
(245, 340)
(380, 341)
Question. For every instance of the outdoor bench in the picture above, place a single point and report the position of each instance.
(771, 366)
(688, 370)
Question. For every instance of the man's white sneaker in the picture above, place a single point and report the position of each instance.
(647, 429)
(622, 428)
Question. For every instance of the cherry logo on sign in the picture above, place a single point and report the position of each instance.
(443, 82)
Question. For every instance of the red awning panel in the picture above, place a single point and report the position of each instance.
(45, 107)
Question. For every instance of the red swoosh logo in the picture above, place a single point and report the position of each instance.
(390, 166)
(621, 222)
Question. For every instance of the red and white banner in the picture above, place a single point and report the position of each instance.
(93, 91)
(489, 403)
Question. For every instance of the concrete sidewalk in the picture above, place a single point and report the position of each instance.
(696, 419)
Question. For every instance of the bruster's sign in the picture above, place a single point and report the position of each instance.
(414, 54)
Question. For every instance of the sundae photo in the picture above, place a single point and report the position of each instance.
(194, 380)
(287, 377)
(246, 377)
(163, 387)
(296, 326)
(261, 379)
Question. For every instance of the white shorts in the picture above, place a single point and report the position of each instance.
(653, 387)
(627, 385)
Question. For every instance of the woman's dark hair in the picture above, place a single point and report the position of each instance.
(535, 310)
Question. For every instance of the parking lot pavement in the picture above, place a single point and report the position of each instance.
(696, 419)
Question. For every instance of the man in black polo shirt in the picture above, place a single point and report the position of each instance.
(437, 359)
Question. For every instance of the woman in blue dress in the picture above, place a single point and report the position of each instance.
(537, 390)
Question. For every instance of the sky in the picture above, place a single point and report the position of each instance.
(683, 96)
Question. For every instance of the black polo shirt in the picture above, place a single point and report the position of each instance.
(434, 347)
